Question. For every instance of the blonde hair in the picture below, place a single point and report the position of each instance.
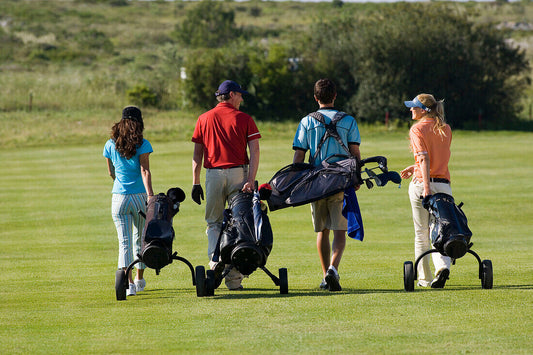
(436, 111)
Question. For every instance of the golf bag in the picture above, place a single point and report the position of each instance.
(158, 234)
(450, 234)
(300, 183)
(244, 242)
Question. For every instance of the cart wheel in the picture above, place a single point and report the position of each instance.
(210, 283)
(283, 281)
(200, 281)
(408, 276)
(486, 274)
(120, 284)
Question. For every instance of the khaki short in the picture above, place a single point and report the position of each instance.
(327, 213)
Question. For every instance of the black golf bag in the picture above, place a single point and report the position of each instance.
(301, 183)
(450, 234)
(157, 238)
(158, 234)
(239, 243)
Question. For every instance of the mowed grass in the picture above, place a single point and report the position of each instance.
(59, 249)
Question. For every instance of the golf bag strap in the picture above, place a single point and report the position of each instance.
(331, 131)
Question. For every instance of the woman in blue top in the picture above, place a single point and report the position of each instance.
(127, 154)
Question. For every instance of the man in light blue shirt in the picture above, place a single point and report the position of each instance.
(327, 213)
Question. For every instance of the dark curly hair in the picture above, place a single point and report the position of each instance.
(128, 136)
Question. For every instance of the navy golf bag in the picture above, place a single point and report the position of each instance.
(450, 234)
(158, 234)
(450, 237)
(244, 244)
(239, 244)
(157, 238)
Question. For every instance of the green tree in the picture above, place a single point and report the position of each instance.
(407, 49)
(208, 24)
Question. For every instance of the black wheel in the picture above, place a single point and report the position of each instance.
(210, 283)
(120, 284)
(283, 281)
(486, 274)
(200, 281)
(408, 276)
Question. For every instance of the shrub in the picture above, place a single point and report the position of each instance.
(142, 95)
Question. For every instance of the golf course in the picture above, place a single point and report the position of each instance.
(59, 250)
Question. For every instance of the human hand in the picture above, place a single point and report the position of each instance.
(197, 193)
(248, 187)
(407, 172)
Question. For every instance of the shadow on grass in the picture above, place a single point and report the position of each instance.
(257, 293)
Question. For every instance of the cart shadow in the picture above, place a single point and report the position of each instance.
(259, 293)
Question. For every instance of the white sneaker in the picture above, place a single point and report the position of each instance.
(140, 285)
(131, 291)
(423, 283)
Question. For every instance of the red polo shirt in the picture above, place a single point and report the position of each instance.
(225, 132)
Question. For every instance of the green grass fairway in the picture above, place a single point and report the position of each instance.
(58, 251)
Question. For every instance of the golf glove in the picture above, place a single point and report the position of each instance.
(197, 193)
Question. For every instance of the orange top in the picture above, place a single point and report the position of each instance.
(424, 139)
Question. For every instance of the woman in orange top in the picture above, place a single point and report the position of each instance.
(430, 139)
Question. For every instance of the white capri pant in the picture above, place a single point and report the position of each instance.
(421, 221)
(130, 225)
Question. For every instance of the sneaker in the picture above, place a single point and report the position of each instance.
(140, 285)
(440, 279)
(131, 291)
(323, 285)
(332, 280)
(237, 288)
(423, 283)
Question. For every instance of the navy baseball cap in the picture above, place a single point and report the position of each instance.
(227, 86)
(132, 113)
(416, 103)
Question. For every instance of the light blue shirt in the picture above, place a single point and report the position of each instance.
(128, 179)
(310, 132)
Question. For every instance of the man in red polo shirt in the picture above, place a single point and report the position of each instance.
(221, 138)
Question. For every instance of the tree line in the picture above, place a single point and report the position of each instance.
(378, 55)
(377, 62)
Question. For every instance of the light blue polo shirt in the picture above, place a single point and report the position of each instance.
(128, 179)
(310, 132)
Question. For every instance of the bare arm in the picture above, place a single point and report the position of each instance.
(299, 156)
(423, 158)
(110, 168)
(144, 160)
(197, 158)
(253, 146)
(355, 151)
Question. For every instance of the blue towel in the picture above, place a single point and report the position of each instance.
(350, 210)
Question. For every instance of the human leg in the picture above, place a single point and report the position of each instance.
(441, 262)
(138, 204)
(324, 249)
(421, 228)
(215, 203)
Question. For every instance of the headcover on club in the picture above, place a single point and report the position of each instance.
(384, 178)
(176, 195)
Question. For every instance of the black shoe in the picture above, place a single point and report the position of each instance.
(323, 285)
(440, 280)
(332, 281)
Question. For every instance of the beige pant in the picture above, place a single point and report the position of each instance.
(421, 220)
(221, 185)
